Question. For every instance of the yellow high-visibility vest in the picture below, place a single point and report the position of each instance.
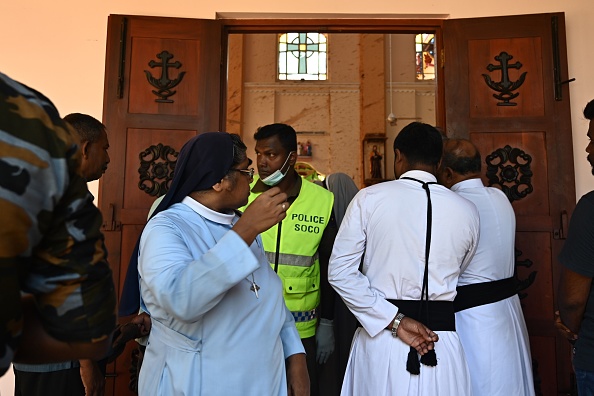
(299, 264)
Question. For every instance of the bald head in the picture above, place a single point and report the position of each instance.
(461, 161)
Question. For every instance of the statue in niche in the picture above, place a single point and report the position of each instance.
(376, 163)
(304, 149)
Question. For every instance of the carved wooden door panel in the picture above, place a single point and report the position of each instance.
(162, 86)
(505, 90)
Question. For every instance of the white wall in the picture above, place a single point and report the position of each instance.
(58, 47)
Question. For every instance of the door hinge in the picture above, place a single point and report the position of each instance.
(109, 222)
(442, 58)
(122, 59)
(561, 233)
(557, 60)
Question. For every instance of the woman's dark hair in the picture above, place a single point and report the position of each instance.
(239, 149)
(239, 155)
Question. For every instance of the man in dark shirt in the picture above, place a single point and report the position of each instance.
(576, 294)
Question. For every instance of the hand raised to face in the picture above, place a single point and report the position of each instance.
(264, 212)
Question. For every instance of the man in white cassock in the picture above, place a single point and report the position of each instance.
(489, 317)
(416, 237)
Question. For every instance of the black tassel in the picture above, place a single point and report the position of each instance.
(412, 363)
(429, 359)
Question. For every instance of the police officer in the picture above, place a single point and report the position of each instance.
(300, 246)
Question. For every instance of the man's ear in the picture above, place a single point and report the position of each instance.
(449, 176)
(293, 158)
(397, 155)
(398, 163)
(85, 148)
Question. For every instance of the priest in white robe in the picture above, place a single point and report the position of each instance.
(219, 322)
(416, 237)
(489, 317)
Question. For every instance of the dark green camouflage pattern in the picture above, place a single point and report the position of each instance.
(50, 242)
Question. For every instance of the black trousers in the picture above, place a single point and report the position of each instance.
(312, 366)
(322, 377)
(55, 383)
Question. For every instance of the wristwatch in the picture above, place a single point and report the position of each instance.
(396, 323)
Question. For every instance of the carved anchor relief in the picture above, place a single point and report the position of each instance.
(157, 164)
(505, 87)
(509, 168)
(164, 84)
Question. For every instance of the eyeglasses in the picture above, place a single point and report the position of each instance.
(248, 172)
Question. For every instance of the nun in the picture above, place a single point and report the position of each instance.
(219, 322)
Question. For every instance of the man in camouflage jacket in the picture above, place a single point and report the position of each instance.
(50, 244)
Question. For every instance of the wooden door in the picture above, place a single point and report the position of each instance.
(504, 91)
(528, 139)
(162, 86)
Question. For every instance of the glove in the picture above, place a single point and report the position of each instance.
(324, 340)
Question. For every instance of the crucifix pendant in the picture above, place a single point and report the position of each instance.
(255, 288)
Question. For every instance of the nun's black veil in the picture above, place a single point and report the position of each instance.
(202, 162)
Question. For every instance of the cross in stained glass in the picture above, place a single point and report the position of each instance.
(302, 56)
(302, 47)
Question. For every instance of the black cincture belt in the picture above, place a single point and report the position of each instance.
(422, 307)
(470, 296)
(441, 313)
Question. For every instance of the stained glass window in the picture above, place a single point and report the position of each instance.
(302, 56)
(425, 56)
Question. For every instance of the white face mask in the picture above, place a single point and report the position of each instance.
(277, 175)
